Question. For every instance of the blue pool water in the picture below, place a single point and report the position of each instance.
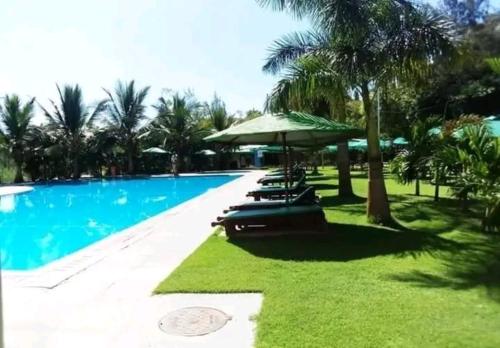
(55, 220)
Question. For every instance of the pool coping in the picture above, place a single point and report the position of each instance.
(10, 190)
(57, 272)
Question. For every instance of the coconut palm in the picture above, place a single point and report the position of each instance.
(15, 121)
(178, 125)
(71, 119)
(370, 42)
(411, 164)
(219, 120)
(494, 64)
(219, 117)
(126, 116)
(307, 82)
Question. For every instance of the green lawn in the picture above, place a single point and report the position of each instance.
(433, 283)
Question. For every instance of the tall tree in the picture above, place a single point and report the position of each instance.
(219, 117)
(126, 116)
(71, 119)
(15, 121)
(370, 42)
(178, 125)
(306, 82)
(219, 120)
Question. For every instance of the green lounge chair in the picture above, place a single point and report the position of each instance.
(285, 220)
(296, 170)
(307, 197)
(269, 180)
(278, 192)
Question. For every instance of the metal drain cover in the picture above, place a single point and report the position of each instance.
(193, 321)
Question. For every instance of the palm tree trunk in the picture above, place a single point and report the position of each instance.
(378, 209)
(436, 185)
(19, 173)
(417, 186)
(76, 167)
(130, 157)
(345, 185)
(130, 165)
(18, 160)
(343, 167)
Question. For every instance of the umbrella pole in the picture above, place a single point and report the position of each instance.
(285, 160)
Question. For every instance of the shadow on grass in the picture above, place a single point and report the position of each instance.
(477, 264)
(347, 242)
(319, 187)
(443, 216)
(335, 201)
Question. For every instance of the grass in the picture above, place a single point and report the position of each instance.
(433, 283)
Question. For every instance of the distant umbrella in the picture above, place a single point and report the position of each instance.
(492, 122)
(155, 150)
(206, 152)
(400, 141)
(356, 145)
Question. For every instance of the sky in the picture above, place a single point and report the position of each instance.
(205, 45)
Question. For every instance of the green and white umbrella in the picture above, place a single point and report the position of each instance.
(357, 145)
(155, 150)
(400, 141)
(206, 152)
(291, 129)
(287, 129)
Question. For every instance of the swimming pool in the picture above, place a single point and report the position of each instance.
(52, 221)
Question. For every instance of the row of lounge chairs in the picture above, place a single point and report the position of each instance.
(276, 215)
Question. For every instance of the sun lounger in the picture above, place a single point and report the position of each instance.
(278, 192)
(296, 170)
(277, 221)
(307, 197)
(269, 180)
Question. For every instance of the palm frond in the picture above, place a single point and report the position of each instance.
(494, 64)
(291, 47)
(299, 8)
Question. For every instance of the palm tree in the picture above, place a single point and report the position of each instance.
(16, 121)
(178, 125)
(219, 117)
(71, 119)
(411, 164)
(126, 115)
(370, 42)
(494, 64)
(219, 120)
(307, 82)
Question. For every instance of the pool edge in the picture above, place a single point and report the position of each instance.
(57, 272)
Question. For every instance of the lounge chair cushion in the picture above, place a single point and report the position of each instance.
(276, 212)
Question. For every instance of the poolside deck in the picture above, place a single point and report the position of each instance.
(13, 190)
(108, 302)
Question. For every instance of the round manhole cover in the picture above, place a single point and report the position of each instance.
(193, 321)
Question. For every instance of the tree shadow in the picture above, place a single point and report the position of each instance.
(335, 201)
(443, 216)
(346, 242)
(319, 187)
(475, 264)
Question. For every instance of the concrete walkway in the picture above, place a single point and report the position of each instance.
(12, 190)
(109, 303)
